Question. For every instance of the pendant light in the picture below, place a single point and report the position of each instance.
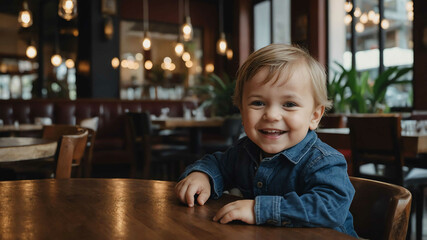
(25, 17)
(56, 58)
(179, 46)
(67, 9)
(31, 51)
(146, 42)
(187, 28)
(221, 44)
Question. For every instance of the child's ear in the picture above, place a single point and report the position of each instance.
(316, 116)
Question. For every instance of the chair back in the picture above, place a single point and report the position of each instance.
(333, 121)
(380, 210)
(56, 131)
(71, 147)
(85, 167)
(376, 138)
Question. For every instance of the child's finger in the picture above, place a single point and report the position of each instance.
(203, 196)
(222, 212)
(189, 195)
(180, 191)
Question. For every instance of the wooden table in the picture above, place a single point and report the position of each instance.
(14, 149)
(339, 138)
(12, 130)
(122, 209)
(194, 125)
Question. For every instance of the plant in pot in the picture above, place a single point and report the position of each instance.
(355, 93)
(216, 94)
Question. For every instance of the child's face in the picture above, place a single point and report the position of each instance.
(277, 116)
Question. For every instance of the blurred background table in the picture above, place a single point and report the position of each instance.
(339, 138)
(122, 209)
(194, 125)
(17, 130)
(22, 148)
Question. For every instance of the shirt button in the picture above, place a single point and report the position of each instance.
(259, 184)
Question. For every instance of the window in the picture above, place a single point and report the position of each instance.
(360, 30)
(264, 30)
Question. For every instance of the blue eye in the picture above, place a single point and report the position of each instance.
(290, 104)
(257, 103)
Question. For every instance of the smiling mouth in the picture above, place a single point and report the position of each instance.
(274, 132)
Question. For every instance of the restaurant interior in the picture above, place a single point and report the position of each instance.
(140, 89)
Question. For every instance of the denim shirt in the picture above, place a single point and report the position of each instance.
(304, 186)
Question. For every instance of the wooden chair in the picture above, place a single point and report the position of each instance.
(333, 121)
(380, 210)
(71, 149)
(376, 141)
(152, 159)
(80, 166)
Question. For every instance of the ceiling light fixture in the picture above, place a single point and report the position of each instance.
(221, 44)
(25, 17)
(67, 9)
(146, 42)
(187, 28)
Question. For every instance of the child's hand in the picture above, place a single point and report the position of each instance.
(242, 210)
(194, 183)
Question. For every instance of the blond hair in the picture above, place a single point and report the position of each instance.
(282, 59)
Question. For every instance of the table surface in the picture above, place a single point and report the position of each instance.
(412, 144)
(183, 122)
(122, 209)
(22, 148)
(21, 128)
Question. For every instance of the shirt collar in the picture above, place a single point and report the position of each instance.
(293, 154)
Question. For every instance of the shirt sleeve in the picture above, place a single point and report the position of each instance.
(218, 166)
(324, 202)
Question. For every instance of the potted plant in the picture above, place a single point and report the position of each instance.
(216, 93)
(353, 92)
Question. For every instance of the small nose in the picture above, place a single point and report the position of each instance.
(272, 114)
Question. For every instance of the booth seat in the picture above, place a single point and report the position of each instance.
(111, 144)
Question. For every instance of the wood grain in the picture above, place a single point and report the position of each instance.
(122, 209)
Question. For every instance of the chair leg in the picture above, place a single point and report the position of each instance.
(419, 212)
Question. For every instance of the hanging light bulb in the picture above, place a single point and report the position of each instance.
(229, 54)
(348, 6)
(31, 51)
(347, 19)
(67, 9)
(115, 62)
(146, 42)
(221, 45)
(187, 29)
(25, 17)
(56, 60)
(179, 49)
(69, 63)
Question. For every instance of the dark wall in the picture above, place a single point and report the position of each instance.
(96, 78)
(420, 54)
